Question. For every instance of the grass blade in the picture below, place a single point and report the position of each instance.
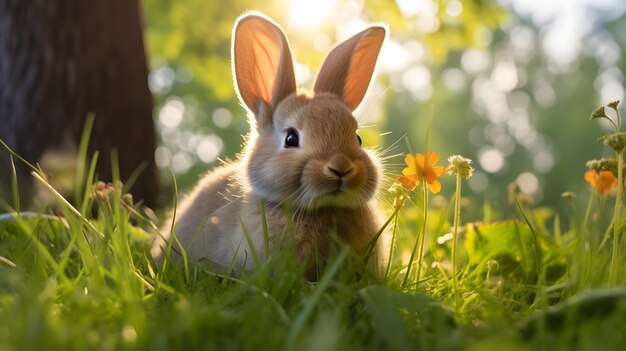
(81, 160)
(14, 187)
(537, 250)
(266, 236)
(312, 301)
(69, 206)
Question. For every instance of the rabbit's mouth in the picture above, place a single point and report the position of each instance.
(328, 184)
(336, 192)
(340, 197)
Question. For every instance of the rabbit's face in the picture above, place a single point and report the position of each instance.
(305, 151)
(310, 156)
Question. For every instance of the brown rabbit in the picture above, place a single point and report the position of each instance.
(303, 157)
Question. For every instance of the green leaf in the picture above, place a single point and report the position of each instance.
(586, 306)
(389, 310)
(511, 245)
(10, 224)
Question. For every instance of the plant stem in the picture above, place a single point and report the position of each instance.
(457, 215)
(419, 240)
(583, 266)
(585, 222)
(615, 258)
(420, 255)
(393, 239)
(408, 268)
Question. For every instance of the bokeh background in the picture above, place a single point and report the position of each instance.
(509, 83)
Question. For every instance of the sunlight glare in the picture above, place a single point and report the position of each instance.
(306, 13)
(491, 160)
(528, 183)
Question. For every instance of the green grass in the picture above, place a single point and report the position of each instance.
(79, 281)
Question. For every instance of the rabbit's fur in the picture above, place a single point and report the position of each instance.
(327, 184)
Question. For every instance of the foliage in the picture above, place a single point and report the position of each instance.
(85, 280)
(509, 249)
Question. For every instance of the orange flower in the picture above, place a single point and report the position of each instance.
(422, 167)
(603, 182)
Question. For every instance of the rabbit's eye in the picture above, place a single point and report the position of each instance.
(292, 139)
(358, 138)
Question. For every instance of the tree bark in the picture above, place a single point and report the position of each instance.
(63, 59)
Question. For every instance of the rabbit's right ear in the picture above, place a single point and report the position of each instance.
(262, 64)
(347, 70)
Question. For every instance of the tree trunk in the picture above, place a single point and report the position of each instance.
(61, 60)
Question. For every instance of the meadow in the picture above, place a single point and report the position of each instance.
(76, 276)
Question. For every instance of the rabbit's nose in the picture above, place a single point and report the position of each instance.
(339, 173)
(340, 165)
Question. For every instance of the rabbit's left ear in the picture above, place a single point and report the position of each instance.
(348, 68)
(262, 63)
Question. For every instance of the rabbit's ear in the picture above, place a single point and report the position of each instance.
(348, 68)
(262, 64)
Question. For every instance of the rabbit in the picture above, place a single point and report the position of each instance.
(302, 158)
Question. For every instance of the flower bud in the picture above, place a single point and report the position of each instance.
(127, 199)
(102, 190)
(616, 141)
(599, 113)
(613, 104)
(460, 165)
(399, 195)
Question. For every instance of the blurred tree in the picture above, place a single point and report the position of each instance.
(61, 60)
(519, 115)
